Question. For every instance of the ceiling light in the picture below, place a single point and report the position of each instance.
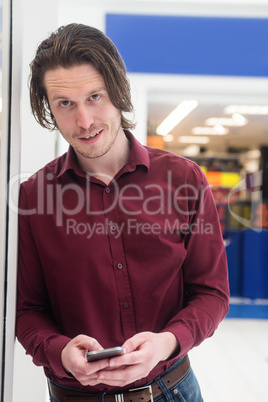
(191, 150)
(176, 116)
(216, 130)
(247, 109)
(220, 130)
(168, 138)
(253, 154)
(237, 120)
(193, 140)
(252, 166)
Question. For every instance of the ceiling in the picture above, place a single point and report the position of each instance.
(252, 135)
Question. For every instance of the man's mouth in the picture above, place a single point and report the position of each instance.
(91, 136)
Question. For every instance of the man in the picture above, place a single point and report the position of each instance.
(119, 243)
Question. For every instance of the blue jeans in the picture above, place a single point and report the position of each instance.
(186, 390)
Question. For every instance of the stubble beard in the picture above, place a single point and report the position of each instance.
(91, 154)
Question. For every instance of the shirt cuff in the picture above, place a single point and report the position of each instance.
(56, 345)
(184, 337)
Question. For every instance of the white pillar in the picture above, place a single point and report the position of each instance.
(139, 95)
(40, 18)
(37, 143)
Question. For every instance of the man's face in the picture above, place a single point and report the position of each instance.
(84, 114)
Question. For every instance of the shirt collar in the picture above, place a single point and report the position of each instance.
(138, 156)
(69, 162)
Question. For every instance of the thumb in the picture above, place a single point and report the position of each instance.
(134, 343)
(86, 342)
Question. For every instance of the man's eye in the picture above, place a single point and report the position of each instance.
(65, 103)
(95, 97)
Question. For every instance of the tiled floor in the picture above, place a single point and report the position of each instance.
(232, 366)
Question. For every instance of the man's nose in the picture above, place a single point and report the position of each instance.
(84, 117)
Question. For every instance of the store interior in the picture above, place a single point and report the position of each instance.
(229, 140)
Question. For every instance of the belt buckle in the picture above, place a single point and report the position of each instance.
(149, 387)
(120, 397)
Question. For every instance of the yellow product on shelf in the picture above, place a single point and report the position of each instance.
(230, 179)
(223, 179)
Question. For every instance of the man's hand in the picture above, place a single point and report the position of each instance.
(74, 361)
(143, 352)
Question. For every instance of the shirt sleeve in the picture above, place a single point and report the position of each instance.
(35, 328)
(205, 273)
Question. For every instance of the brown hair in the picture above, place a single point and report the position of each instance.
(76, 44)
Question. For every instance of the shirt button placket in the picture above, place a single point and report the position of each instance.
(112, 214)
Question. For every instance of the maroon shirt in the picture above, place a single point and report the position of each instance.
(144, 253)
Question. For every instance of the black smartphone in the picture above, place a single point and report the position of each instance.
(104, 353)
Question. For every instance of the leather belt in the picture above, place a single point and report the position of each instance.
(144, 394)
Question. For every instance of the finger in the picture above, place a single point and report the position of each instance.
(88, 380)
(94, 367)
(87, 342)
(134, 342)
(81, 367)
(120, 377)
(128, 359)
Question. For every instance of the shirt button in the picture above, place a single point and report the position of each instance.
(119, 265)
(125, 305)
(107, 190)
(113, 228)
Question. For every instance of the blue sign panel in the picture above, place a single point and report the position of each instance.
(191, 45)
